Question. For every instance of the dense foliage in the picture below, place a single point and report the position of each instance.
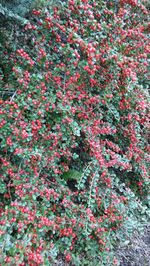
(74, 134)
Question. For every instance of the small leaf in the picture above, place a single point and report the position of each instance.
(2, 187)
(71, 174)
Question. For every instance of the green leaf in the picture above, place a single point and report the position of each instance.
(2, 187)
(71, 174)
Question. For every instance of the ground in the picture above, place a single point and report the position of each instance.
(137, 252)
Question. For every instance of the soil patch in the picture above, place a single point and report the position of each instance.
(137, 252)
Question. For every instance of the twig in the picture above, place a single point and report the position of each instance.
(13, 96)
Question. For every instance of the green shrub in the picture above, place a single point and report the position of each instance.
(74, 154)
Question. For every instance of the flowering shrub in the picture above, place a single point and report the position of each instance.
(74, 134)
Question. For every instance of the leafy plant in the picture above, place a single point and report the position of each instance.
(74, 154)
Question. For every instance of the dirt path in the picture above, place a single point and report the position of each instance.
(137, 252)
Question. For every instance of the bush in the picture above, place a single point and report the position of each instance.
(74, 134)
